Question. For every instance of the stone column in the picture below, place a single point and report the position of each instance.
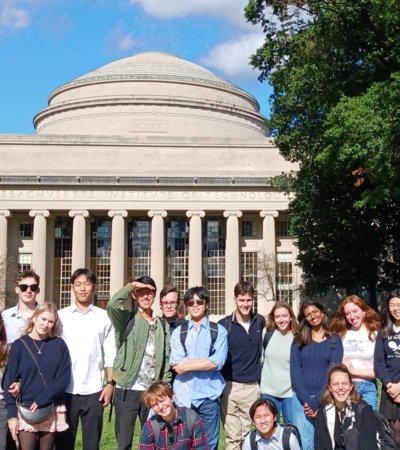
(3, 255)
(268, 255)
(117, 260)
(232, 255)
(39, 249)
(78, 238)
(157, 247)
(195, 248)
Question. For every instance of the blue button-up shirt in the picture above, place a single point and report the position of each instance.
(196, 386)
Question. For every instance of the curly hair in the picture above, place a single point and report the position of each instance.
(340, 325)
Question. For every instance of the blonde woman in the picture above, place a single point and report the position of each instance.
(38, 348)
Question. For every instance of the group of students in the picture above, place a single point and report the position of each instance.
(315, 374)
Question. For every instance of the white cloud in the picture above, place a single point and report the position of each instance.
(231, 58)
(119, 41)
(12, 16)
(228, 10)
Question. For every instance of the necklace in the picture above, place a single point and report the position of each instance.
(39, 350)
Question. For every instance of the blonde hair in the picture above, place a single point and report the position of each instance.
(45, 307)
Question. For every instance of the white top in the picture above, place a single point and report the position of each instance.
(90, 340)
(359, 350)
(14, 323)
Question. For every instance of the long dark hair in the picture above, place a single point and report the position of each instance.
(303, 335)
(387, 319)
(3, 343)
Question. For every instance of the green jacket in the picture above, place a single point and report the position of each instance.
(130, 353)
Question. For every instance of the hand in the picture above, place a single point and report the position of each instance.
(33, 407)
(106, 395)
(13, 426)
(308, 411)
(138, 285)
(346, 362)
(179, 367)
(15, 388)
(393, 389)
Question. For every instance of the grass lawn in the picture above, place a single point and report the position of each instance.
(108, 441)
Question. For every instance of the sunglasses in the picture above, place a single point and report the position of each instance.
(24, 287)
(199, 302)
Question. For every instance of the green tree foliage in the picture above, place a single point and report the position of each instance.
(334, 66)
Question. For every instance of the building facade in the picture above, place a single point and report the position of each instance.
(148, 165)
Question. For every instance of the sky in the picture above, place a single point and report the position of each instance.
(46, 43)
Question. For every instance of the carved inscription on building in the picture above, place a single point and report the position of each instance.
(149, 126)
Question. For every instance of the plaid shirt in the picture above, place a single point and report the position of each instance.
(177, 437)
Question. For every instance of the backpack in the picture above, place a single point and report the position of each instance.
(288, 430)
(191, 418)
(384, 432)
(213, 332)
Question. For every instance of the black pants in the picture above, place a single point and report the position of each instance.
(127, 406)
(90, 411)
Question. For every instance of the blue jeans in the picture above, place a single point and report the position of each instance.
(304, 424)
(367, 390)
(284, 406)
(209, 412)
(3, 425)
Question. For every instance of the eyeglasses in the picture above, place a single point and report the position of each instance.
(169, 303)
(24, 287)
(199, 302)
(171, 435)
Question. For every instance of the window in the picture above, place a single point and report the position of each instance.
(26, 229)
(24, 261)
(282, 228)
(284, 277)
(249, 228)
(178, 253)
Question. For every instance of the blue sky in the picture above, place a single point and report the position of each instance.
(45, 43)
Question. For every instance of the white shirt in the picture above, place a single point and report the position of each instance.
(358, 348)
(14, 323)
(90, 340)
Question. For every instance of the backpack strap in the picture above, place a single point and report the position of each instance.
(267, 338)
(213, 333)
(287, 431)
(183, 336)
(253, 443)
(128, 328)
(191, 419)
(155, 425)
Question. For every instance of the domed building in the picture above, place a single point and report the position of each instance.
(148, 165)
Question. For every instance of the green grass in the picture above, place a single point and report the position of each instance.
(108, 441)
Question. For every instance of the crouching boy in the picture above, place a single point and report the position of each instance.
(171, 426)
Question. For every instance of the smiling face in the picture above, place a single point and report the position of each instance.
(164, 407)
(314, 316)
(354, 315)
(264, 421)
(197, 308)
(244, 305)
(43, 324)
(394, 309)
(145, 298)
(340, 387)
(282, 319)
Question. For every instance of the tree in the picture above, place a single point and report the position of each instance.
(334, 66)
